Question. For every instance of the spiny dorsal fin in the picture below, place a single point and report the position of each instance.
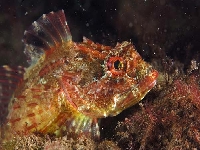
(48, 31)
(9, 79)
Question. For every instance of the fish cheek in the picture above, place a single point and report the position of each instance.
(93, 73)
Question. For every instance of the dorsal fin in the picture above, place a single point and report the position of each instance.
(48, 31)
(9, 79)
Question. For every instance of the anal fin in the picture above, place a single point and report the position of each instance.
(95, 129)
(84, 125)
(74, 124)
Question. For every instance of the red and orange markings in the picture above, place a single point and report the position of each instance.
(31, 105)
(21, 97)
(92, 51)
(48, 68)
(37, 96)
(35, 90)
(16, 106)
(34, 125)
(14, 120)
(31, 115)
(43, 71)
(40, 111)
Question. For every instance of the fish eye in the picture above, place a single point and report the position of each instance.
(116, 65)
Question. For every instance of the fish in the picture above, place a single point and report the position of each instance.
(69, 86)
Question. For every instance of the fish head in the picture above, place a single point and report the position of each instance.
(132, 78)
(122, 79)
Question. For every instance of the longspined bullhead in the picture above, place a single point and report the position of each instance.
(70, 85)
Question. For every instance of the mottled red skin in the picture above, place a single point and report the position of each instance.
(72, 84)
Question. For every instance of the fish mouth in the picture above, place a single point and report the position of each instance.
(135, 94)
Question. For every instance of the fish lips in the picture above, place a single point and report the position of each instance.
(134, 94)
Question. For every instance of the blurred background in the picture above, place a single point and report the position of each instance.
(159, 29)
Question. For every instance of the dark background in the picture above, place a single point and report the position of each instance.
(158, 28)
(163, 31)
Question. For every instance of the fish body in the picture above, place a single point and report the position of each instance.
(70, 85)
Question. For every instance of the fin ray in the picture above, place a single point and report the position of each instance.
(47, 32)
(82, 124)
(10, 77)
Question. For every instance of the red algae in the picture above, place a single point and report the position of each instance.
(62, 143)
(172, 120)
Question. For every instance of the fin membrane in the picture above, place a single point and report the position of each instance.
(9, 79)
(48, 31)
(84, 125)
